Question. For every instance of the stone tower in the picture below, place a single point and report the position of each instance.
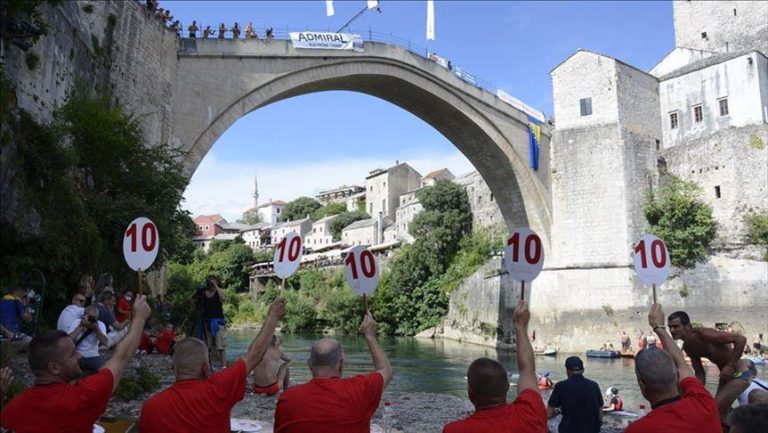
(721, 26)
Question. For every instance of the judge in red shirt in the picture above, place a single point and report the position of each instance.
(488, 384)
(658, 373)
(56, 403)
(200, 401)
(328, 403)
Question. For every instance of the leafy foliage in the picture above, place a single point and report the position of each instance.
(345, 219)
(757, 230)
(136, 384)
(250, 216)
(683, 221)
(299, 209)
(21, 10)
(329, 209)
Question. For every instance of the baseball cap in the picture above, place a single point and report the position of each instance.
(574, 363)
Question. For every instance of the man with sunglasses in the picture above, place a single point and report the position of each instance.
(71, 312)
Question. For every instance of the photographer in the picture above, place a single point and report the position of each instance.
(87, 333)
(13, 312)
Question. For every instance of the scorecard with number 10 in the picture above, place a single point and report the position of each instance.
(288, 254)
(361, 270)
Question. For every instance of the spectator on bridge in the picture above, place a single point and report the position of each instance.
(14, 312)
(199, 401)
(192, 29)
(328, 403)
(88, 332)
(71, 312)
(222, 30)
(488, 384)
(55, 403)
(208, 31)
(269, 34)
(176, 27)
(249, 32)
(662, 375)
(235, 31)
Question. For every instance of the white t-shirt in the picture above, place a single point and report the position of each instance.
(744, 397)
(69, 315)
(89, 347)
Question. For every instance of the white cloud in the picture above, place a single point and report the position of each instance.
(226, 187)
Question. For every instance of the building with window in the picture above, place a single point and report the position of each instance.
(303, 227)
(270, 211)
(383, 188)
(321, 235)
(338, 195)
(365, 232)
(257, 236)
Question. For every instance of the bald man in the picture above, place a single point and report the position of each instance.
(200, 401)
(328, 403)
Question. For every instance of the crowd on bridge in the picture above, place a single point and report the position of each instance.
(73, 381)
(193, 30)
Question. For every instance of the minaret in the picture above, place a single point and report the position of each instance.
(255, 192)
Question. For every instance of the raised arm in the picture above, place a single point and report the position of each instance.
(127, 346)
(525, 362)
(380, 360)
(100, 335)
(739, 341)
(261, 343)
(656, 320)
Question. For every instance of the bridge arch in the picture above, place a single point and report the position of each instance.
(226, 80)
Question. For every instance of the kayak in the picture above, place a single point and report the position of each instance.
(622, 413)
(602, 354)
(546, 352)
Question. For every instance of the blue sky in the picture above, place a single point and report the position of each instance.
(512, 45)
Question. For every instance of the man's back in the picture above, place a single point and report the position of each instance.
(61, 407)
(196, 405)
(525, 415)
(694, 412)
(330, 405)
(580, 401)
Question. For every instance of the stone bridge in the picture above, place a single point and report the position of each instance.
(220, 81)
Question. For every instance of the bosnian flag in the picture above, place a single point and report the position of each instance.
(329, 8)
(372, 3)
(431, 20)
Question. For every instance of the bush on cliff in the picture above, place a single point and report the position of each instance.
(757, 231)
(681, 220)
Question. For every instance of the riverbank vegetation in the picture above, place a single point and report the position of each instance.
(413, 291)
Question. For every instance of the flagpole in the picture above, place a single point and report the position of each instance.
(362, 11)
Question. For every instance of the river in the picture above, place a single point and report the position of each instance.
(439, 366)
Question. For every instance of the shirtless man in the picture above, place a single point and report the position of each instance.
(722, 348)
(271, 374)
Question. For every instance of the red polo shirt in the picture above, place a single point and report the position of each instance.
(524, 415)
(163, 343)
(695, 412)
(330, 405)
(61, 407)
(195, 405)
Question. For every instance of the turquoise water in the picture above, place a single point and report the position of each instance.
(439, 366)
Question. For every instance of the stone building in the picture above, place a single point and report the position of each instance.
(338, 195)
(433, 176)
(405, 213)
(485, 211)
(721, 26)
(270, 211)
(208, 225)
(320, 236)
(257, 236)
(384, 187)
(303, 227)
(364, 232)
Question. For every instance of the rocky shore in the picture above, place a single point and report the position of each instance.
(414, 412)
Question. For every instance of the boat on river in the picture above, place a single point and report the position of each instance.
(545, 352)
(602, 354)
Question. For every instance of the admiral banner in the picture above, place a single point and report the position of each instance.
(327, 41)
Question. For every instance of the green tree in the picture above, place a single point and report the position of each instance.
(250, 216)
(684, 222)
(345, 219)
(329, 209)
(235, 266)
(299, 208)
(757, 230)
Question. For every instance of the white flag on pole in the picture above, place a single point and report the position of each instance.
(329, 8)
(372, 4)
(431, 20)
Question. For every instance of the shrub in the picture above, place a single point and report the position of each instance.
(684, 222)
(137, 384)
(757, 230)
(32, 59)
(88, 9)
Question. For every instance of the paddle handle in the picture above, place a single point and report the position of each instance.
(654, 293)
(139, 276)
(522, 290)
(365, 303)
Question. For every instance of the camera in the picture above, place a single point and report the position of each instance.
(33, 297)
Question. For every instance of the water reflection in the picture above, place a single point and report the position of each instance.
(439, 366)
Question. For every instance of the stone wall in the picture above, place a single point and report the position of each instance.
(734, 162)
(729, 25)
